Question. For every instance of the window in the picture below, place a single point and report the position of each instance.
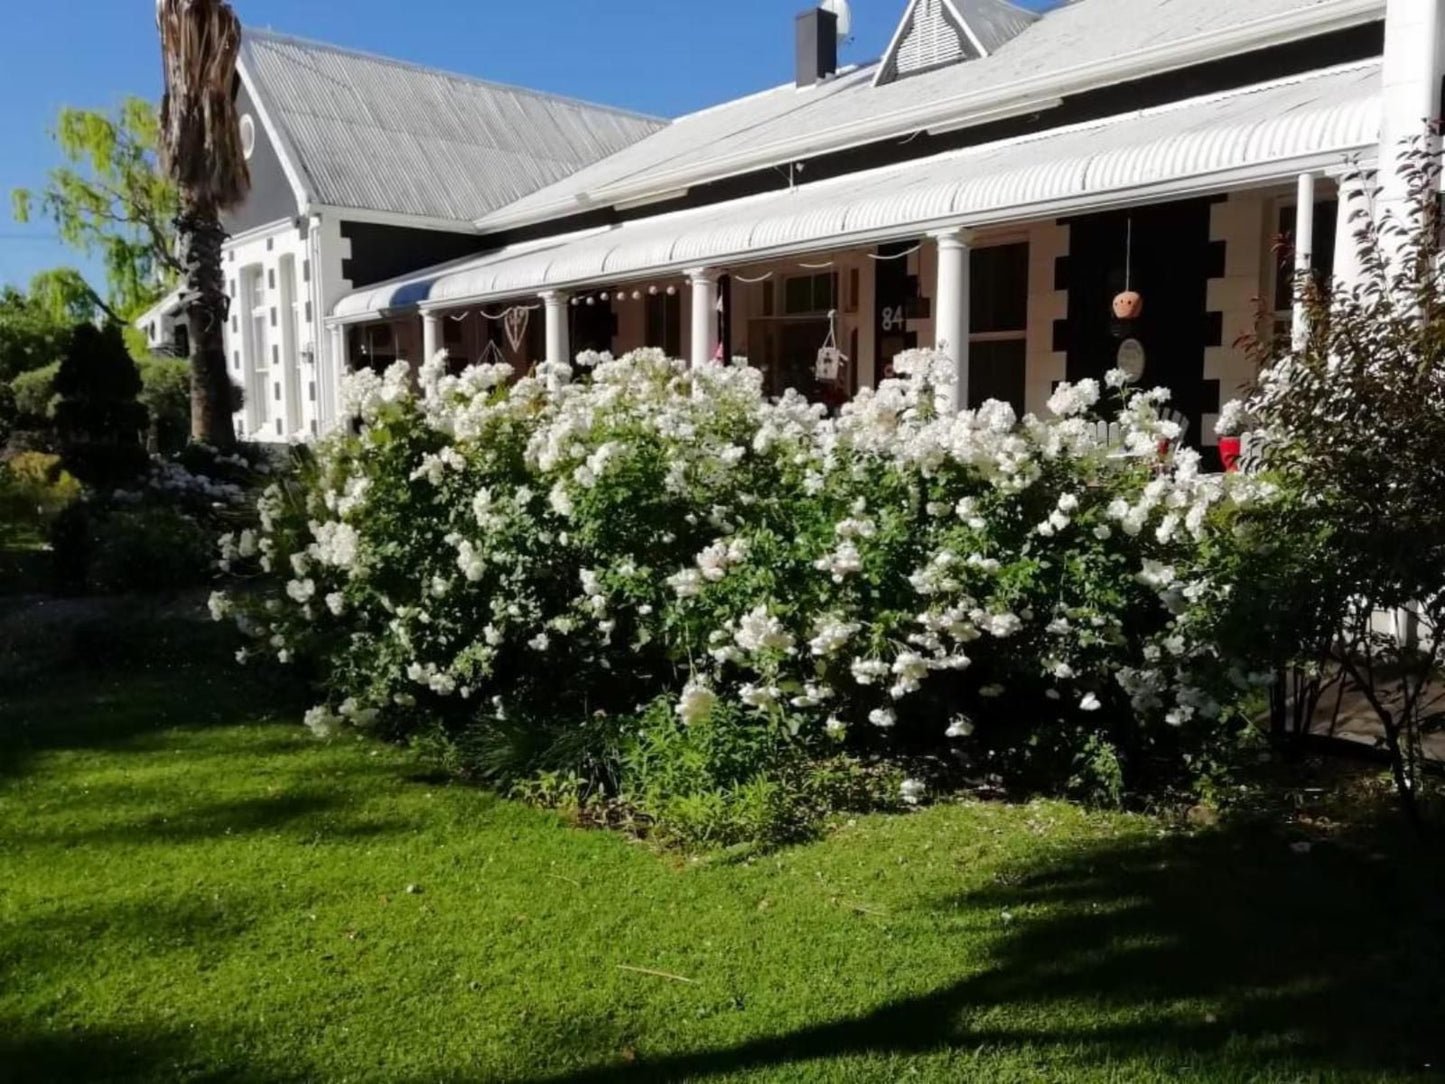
(664, 322)
(376, 345)
(998, 322)
(1322, 261)
(255, 347)
(807, 294)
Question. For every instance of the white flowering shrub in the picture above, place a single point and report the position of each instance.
(590, 574)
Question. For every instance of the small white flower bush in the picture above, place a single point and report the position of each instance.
(589, 574)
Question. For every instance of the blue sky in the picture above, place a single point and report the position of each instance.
(656, 56)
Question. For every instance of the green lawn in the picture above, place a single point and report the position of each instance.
(193, 889)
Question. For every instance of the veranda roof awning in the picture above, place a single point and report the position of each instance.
(1253, 136)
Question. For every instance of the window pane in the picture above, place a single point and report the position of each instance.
(996, 371)
(999, 288)
(1323, 258)
(798, 294)
(823, 291)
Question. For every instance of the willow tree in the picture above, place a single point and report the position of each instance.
(201, 151)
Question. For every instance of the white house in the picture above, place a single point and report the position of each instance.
(362, 169)
(988, 186)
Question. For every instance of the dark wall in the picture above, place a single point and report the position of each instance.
(1172, 262)
(271, 198)
(381, 252)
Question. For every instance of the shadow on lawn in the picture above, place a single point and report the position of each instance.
(1320, 962)
(304, 816)
(97, 681)
(149, 1055)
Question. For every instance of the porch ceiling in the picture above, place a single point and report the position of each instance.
(1258, 135)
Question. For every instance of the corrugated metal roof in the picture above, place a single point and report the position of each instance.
(994, 21)
(1079, 45)
(383, 135)
(1262, 133)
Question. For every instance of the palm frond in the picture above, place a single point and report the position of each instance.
(200, 132)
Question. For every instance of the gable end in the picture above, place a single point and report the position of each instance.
(936, 33)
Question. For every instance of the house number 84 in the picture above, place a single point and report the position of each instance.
(894, 317)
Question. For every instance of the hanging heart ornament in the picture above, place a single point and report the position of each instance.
(515, 324)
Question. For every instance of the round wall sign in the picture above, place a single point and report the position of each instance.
(1132, 358)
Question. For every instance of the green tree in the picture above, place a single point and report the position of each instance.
(35, 326)
(202, 155)
(30, 338)
(111, 198)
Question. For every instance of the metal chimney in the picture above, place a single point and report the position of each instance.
(817, 51)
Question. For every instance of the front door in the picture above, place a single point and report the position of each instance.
(1169, 265)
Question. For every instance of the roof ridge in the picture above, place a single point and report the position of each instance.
(250, 33)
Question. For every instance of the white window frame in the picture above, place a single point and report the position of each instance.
(255, 349)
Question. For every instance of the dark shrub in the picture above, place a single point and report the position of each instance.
(166, 395)
(97, 416)
(150, 549)
(121, 550)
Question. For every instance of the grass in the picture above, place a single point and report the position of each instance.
(193, 889)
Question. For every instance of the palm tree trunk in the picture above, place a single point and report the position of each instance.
(199, 228)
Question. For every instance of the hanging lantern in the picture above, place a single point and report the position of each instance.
(1128, 305)
(636, 295)
(652, 290)
(671, 290)
(591, 301)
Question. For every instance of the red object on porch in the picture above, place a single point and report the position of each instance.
(1229, 451)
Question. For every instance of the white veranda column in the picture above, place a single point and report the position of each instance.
(430, 336)
(559, 350)
(1304, 248)
(335, 375)
(704, 315)
(1351, 203)
(1410, 78)
(951, 316)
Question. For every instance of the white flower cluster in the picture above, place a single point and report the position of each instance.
(644, 511)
